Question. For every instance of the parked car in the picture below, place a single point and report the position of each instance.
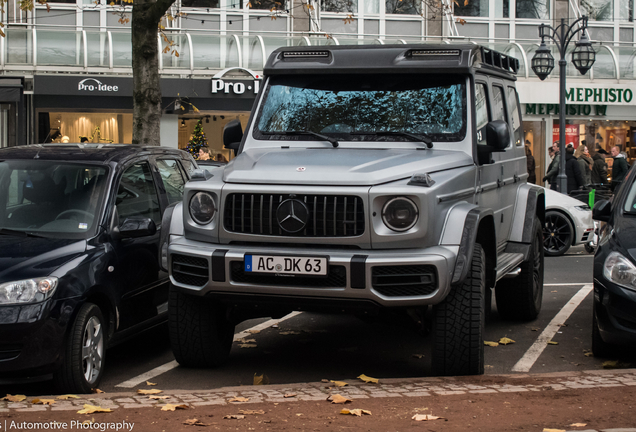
(79, 246)
(614, 310)
(568, 222)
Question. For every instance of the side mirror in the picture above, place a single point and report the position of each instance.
(232, 135)
(602, 211)
(136, 227)
(498, 135)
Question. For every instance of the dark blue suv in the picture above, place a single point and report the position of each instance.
(80, 229)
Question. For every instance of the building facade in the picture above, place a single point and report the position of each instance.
(66, 71)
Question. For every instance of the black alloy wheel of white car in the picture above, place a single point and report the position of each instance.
(84, 356)
(558, 233)
(459, 322)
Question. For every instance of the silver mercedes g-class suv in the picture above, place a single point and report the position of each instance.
(369, 179)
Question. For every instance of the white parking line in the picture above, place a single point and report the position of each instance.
(567, 284)
(133, 382)
(531, 356)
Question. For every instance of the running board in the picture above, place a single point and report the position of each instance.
(506, 263)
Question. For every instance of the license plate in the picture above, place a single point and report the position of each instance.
(294, 265)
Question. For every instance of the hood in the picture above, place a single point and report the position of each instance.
(338, 166)
(27, 257)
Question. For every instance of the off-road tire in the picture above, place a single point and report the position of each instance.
(520, 298)
(458, 324)
(84, 352)
(600, 348)
(200, 333)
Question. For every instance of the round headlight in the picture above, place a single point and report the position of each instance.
(202, 208)
(400, 214)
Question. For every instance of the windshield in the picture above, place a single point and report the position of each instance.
(364, 108)
(51, 198)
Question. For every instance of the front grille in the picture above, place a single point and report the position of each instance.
(10, 352)
(329, 215)
(337, 278)
(404, 281)
(190, 270)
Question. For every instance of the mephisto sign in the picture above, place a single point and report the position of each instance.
(590, 93)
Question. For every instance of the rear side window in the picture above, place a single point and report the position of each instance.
(481, 112)
(515, 116)
(137, 195)
(173, 179)
(498, 110)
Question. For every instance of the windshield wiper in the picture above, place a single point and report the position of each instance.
(333, 141)
(421, 138)
(7, 231)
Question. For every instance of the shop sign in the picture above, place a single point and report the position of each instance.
(571, 134)
(91, 84)
(235, 87)
(587, 94)
(570, 110)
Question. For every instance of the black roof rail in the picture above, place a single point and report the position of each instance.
(498, 60)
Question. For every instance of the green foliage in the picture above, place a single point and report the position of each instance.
(197, 140)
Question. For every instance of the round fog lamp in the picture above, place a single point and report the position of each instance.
(400, 214)
(202, 208)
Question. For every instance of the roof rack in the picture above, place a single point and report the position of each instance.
(499, 60)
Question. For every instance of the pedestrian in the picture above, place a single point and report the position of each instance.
(220, 158)
(582, 156)
(532, 175)
(599, 167)
(573, 171)
(619, 167)
(553, 169)
(204, 153)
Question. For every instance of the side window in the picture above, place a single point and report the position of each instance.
(173, 179)
(498, 110)
(481, 112)
(188, 164)
(137, 195)
(515, 115)
(15, 188)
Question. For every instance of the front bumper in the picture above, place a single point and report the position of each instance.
(615, 309)
(388, 278)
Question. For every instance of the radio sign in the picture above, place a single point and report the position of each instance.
(237, 87)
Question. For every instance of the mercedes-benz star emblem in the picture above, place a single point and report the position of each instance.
(292, 215)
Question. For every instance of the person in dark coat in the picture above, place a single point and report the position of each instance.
(619, 167)
(599, 167)
(532, 175)
(553, 168)
(573, 171)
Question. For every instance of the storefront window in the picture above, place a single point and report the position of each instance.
(536, 9)
(92, 127)
(340, 6)
(626, 10)
(372, 7)
(404, 7)
(598, 10)
(534, 132)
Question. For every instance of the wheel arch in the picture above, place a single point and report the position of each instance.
(530, 204)
(98, 297)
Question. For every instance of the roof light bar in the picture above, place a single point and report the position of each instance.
(305, 54)
(418, 53)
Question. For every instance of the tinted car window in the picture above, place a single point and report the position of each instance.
(515, 115)
(481, 112)
(498, 112)
(49, 197)
(137, 195)
(173, 179)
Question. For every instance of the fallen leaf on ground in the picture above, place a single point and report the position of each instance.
(261, 379)
(418, 356)
(43, 401)
(535, 329)
(67, 397)
(234, 417)
(155, 397)
(338, 399)
(290, 395)
(340, 383)
(149, 392)
(98, 391)
(239, 399)
(578, 425)
(588, 354)
(553, 430)
(425, 417)
(248, 345)
(614, 364)
(171, 407)
(490, 343)
(194, 422)
(552, 343)
(554, 291)
(254, 331)
(367, 379)
(275, 326)
(324, 380)
(251, 412)
(506, 341)
(90, 409)
(246, 340)
(14, 398)
(357, 412)
(150, 384)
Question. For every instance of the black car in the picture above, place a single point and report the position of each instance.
(79, 249)
(614, 316)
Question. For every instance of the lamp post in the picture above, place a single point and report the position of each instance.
(583, 58)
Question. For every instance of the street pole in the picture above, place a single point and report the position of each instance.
(562, 178)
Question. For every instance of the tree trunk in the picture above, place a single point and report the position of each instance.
(145, 61)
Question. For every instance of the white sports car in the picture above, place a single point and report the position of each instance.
(568, 222)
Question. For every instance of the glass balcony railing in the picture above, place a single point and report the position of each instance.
(92, 50)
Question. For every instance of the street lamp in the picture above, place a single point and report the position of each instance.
(583, 58)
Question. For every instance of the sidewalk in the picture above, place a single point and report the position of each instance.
(584, 401)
